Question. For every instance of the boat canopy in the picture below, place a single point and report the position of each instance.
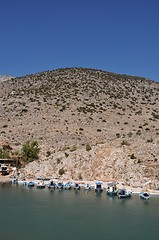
(99, 183)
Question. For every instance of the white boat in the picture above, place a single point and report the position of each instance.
(76, 186)
(144, 195)
(123, 193)
(98, 187)
(112, 189)
(87, 187)
(41, 185)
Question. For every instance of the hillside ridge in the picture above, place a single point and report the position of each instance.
(65, 110)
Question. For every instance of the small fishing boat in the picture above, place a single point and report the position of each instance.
(76, 186)
(51, 185)
(41, 185)
(31, 184)
(87, 187)
(123, 193)
(144, 195)
(25, 183)
(98, 187)
(59, 185)
(68, 185)
(112, 189)
(14, 181)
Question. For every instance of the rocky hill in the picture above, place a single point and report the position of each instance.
(89, 124)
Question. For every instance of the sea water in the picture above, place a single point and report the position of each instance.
(41, 214)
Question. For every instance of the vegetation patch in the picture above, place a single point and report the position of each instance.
(30, 151)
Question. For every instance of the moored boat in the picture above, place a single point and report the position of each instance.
(76, 186)
(87, 187)
(31, 184)
(51, 185)
(14, 181)
(112, 189)
(59, 185)
(98, 187)
(123, 193)
(144, 195)
(41, 185)
(68, 185)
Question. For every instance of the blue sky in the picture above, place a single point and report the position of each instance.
(120, 36)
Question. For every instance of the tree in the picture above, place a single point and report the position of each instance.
(30, 151)
(4, 153)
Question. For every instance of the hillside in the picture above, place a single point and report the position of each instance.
(90, 124)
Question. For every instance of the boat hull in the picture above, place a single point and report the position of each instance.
(124, 196)
(144, 195)
(40, 186)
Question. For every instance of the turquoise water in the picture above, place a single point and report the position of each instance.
(34, 214)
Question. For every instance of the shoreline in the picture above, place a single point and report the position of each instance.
(9, 178)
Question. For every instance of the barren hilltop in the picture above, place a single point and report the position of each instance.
(89, 124)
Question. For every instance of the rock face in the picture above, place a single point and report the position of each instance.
(4, 78)
(89, 124)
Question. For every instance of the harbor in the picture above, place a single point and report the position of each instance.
(112, 189)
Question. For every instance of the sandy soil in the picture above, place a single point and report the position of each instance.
(4, 179)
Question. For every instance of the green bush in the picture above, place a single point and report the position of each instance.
(88, 147)
(4, 153)
(125, 142)
(138, 132)
(99, 130)
(66, 154)
(80, 176)
(30, 151)
(73, 148)
(58, 160)
(132, 156)
(130, 134)
(118, 135)
(61, 171)
(48, 153)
